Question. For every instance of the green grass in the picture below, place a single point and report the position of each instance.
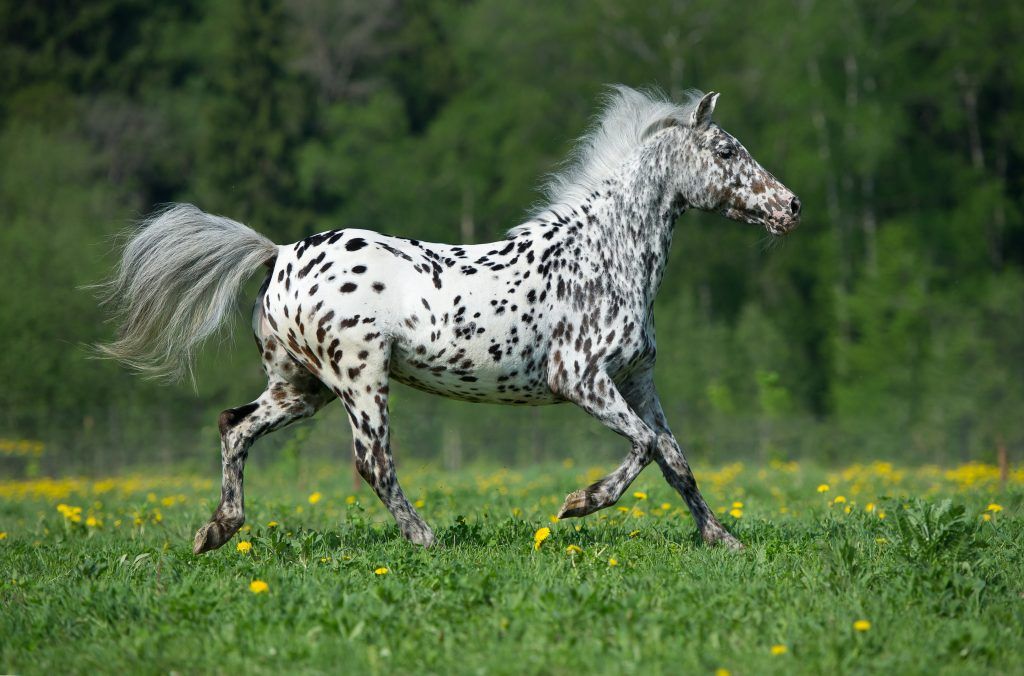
(941, 586)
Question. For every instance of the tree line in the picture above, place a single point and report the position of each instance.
(891, 324)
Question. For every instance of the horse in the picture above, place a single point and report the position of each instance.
(561, 310)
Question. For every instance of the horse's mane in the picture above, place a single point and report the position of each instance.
(627, 117)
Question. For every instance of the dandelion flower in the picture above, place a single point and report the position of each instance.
(666, 506)
(737, 505)
(870, 507)
(315, 497)
(634, 533)
(735, 513)
(540, 536)
(986, 517)
(722, 672)
(862, 625)
(553, 519)
(259, 587)
(92, 522)
(823, 488)
(993, 507)
(573, 549)
(3, 535)
(839, 499)
(350, 500)
(779, 649)
(381, 571)
(640, 495)
(272, 524)
(244, 546)
(611, 562)
(881, 514)
(419, 503)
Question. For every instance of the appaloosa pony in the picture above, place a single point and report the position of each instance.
(560, 310)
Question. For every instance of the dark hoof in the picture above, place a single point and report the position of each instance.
(721, 537)
(213, 535)
(578, 503)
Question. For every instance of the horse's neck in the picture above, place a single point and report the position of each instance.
(629, 230)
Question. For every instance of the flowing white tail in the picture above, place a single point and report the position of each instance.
(177, 280)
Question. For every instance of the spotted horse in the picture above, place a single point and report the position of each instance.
(558, 311)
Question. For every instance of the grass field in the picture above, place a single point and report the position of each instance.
(870, 568)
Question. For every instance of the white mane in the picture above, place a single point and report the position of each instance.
(626, 118)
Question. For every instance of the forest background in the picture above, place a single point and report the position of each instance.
(890, 324)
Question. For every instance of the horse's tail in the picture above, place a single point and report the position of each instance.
(179, 274)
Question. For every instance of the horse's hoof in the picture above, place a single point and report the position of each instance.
(723, 538)
(423, 539)
(212, 536)
(576, 504)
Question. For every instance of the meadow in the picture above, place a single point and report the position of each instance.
(867, 568)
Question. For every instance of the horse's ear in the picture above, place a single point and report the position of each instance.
(700, 118)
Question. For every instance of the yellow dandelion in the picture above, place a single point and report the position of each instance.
(381, 571)
(779, 649)
(640, 495)
(986, 517)
(737, 505)
(881, 514)
(611, 562)
(993, 507)
(634, 533)
(880, 541)
(259, 587)
(419, 503)
(840, 499)
(540, 536)
(350, 500)
(735, 513)
(315, 497)
(870, 507)
(823, 488)
(3, 535)
(722, 672)
(666, 506)
(862, 625)
(92, 522)
(573, 549)
(168, 501)
(847, 509)
(272, 524)
(553, 519)
(244, 546)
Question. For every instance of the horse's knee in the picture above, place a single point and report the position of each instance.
(363, 464)
(231, 417)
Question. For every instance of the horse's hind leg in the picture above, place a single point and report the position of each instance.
(364, 391)
(292, 394)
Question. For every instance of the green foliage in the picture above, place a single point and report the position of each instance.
(889, 322)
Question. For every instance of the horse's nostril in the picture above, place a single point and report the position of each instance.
(794, 206)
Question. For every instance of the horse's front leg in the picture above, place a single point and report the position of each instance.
(601, 398)
(676, 470)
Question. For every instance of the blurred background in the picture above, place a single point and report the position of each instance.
(890, 325)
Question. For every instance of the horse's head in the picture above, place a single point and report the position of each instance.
(721, 176)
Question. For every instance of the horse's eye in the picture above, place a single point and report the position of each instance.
(725, 153)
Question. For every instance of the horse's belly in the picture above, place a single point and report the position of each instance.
(458, 373)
